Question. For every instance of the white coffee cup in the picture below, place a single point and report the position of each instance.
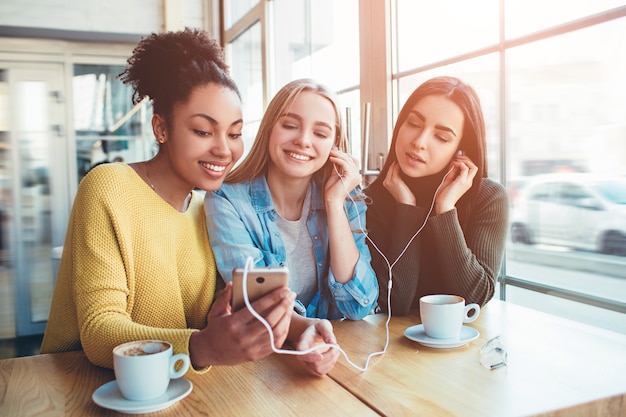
(143, 368)
(443, 315)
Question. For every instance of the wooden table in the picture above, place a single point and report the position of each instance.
(62, 384)
(556, 367)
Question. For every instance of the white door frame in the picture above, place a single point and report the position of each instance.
(31, 270)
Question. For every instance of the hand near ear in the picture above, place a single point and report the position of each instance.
(344, 178)
(456, 183)
(397, 187)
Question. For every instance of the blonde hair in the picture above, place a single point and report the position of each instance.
(257, 161)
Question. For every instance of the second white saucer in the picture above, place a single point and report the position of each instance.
(418, 334)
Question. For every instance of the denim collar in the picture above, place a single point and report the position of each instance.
(261, 198)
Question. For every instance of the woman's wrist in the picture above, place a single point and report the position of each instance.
(298, 325)
(196, 352)
(334, 206)
(442, 207)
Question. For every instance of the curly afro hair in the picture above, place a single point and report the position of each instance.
(166, 67)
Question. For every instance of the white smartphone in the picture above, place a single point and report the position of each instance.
(260, 281)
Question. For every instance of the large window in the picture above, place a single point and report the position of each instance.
(528, 16)
(553, 89)
(316, 39)
(550, 79)
(565, 106)
(428, 32)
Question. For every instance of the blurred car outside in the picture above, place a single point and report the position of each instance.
(574, 210)
(514, 186)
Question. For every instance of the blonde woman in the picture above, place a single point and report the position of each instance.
(288, 204)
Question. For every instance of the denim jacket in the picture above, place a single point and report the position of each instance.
(241, 220)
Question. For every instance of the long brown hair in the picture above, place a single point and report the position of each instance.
(473, 142)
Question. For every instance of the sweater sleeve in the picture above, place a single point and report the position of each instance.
(470, 258)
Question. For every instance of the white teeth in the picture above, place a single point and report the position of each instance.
(299, 157)
(216, 168)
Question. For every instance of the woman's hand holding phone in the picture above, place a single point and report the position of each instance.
(230, 338)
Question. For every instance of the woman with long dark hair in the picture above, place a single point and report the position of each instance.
(438, 220)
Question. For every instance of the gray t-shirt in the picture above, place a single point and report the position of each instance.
(300, 255)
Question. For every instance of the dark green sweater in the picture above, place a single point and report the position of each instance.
(449, 256)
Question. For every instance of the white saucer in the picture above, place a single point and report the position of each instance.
(417, 334)
(109, 396)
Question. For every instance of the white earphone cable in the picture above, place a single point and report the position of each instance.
(249, 264)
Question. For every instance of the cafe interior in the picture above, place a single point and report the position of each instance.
(550, 77)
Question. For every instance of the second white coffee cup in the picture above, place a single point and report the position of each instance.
(443, 315)
(143, 368)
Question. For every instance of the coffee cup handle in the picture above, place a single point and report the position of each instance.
(474, 316)
(183, 369)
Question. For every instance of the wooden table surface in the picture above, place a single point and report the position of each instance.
(555, 367)
(62, 384)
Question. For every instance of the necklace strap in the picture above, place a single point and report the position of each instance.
(145, 163)
(147, 168)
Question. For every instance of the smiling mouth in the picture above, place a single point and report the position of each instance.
(299, 157)
(213, 167)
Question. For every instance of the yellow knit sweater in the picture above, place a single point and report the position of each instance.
(133, 268)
